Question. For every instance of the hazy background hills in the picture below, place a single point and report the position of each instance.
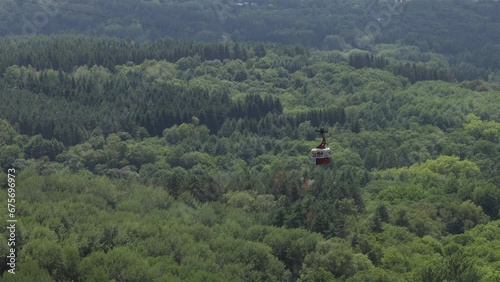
(447, 26)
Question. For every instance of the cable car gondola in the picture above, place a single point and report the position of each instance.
(321, 154)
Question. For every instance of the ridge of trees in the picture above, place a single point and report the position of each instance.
(465, 31)
(198, 169)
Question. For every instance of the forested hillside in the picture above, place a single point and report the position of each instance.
(465, 31)
(188, 161)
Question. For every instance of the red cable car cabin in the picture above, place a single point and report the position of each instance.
(321, 154)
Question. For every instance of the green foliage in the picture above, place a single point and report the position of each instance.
(8, 133)
(452, 166)
(189, 161)
(402, 192)
(28, 271)
(488, 197)
(333, 258)
(39, 147)
(375, 275)
(9, 154)
(298, 22)
(456, 267)
(488, 130)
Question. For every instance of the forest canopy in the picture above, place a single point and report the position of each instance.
(141, 157)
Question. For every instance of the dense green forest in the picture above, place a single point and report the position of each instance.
(464, 32)
(188, 161)
(169, 140)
